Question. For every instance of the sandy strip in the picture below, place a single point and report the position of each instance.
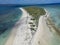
(14, 30)
(12, 36)
(23, 35)
(20, 31)
(42, 36)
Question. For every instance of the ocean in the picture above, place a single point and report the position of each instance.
(7, 22)
(54, 13)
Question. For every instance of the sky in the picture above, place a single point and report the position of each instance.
(25, 2)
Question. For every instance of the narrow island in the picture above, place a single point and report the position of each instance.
(35, 12)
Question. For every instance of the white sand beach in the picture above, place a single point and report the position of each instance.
(42, 31)
(40, 37)
(20, 34)
(43, 35)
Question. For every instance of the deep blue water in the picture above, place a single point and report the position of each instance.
(53, 10)
(9, 19)
(7, 22)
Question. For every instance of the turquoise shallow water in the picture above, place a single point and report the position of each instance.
(7, 22)
(54, 13)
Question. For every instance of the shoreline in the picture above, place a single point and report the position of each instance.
(13, 32)
(15, 37)
(38, 37)
(17, 29)
(44, 36)
(23, 35)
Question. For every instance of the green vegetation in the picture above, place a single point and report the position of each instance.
(32, 19)
(35, 12)
(32, 29)
(30, 23)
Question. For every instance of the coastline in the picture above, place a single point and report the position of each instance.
(13, 33)
(41, 30)
(17, 37)
(45, 36)
(22, 23)
(23, 35)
